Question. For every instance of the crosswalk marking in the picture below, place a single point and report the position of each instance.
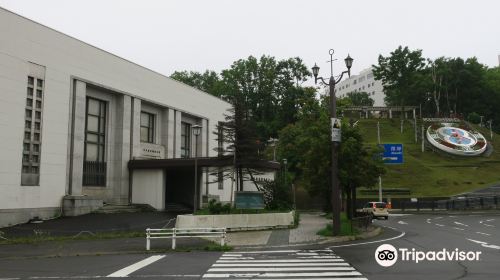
(280, 265)
(276, 264)
(281, 261)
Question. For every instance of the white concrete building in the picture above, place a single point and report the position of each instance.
(363, 82)
(74, 116)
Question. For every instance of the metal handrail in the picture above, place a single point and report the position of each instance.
(175, 233)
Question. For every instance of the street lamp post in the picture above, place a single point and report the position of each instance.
(335, 136)
(272, 142)
(196, 132)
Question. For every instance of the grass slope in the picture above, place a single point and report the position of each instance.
(430, 173)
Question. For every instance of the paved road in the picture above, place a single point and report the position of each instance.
(432, 233)
(354, 260)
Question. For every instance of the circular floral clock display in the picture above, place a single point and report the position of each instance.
(456, 139)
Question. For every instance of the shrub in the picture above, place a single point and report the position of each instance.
(474, 118)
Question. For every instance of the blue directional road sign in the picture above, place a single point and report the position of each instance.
(393, 153)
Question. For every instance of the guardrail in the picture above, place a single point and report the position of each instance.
(174, 233)
(456, 203)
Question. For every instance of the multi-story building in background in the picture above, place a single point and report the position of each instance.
(363, 82)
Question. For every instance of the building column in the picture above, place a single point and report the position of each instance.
(414, 115)
(170, 146)
(177, 136)
(121, 192)
(366, 114)
(135, 127)
(390, 113)
(77, 138)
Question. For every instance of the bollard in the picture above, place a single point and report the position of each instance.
(223, 239)
(148, 242)
(173, 238)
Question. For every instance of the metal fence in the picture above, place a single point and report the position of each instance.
(94, 173)
(361, 221)
(455, 203)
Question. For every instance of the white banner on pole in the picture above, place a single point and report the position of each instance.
(335, 129)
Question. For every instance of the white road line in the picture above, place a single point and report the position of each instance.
(458, 223)
(488, 225)
(458, 228)
(399, 215)
(259, 275)
(437, 218)
(308, 278)
(278, 264)
(428, 221)
(370, 242)
(318, 257)
(236, 258)
(274, 269)
(232, 255)
(284, 261)
(136, 266)
(402, 223)
(439, 225)
(487, 234)
(490, 220)
(268, 252)
(485, 244)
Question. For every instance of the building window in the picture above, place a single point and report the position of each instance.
(147, 127)
(30, 169)
(185, 140)
(94, 164)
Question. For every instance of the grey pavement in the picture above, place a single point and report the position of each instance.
(93, 223)
(422, 232)
(305, 233)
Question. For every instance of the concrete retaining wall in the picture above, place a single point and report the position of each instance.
(236, 222)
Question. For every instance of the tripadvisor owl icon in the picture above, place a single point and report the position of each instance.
(386, 255)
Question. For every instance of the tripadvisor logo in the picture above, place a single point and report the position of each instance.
(387, 255)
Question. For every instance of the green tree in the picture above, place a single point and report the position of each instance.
(306, 144)
(401, 75)
(208, 81)
(360, 99)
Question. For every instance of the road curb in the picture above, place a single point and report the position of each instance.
(331, 240)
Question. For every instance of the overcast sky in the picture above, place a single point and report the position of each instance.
(210, 34)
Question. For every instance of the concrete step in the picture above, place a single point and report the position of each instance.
(110, 208)
(177, 208)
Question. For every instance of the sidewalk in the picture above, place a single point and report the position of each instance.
(304, 234)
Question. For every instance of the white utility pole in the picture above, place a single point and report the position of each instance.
(415, 126)
(379, 176)
(378, 132)
(423, 138)
(380, 188)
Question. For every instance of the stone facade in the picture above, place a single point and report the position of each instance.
(74, 72)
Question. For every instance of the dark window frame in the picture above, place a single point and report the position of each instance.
(185, 140)
(94, 172)
(150, 136)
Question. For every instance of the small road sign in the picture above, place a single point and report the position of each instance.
(393, 153)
